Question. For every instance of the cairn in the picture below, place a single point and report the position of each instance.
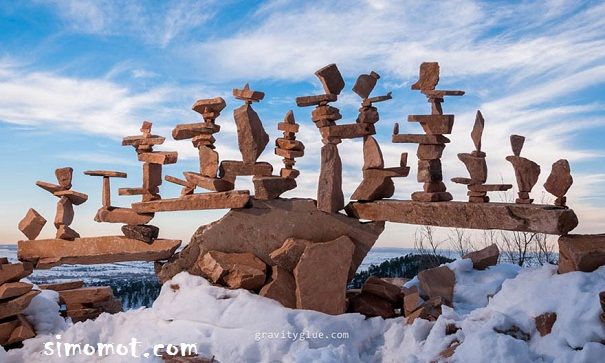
(477, 168)
(432, 143)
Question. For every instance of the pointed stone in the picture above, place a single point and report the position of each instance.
(330, 198)
(560, 180)
(428, 77)
(321, 276)
(49, 187)
(64, 176)
(248, 95)
(372, 155)
(365, 84)
(251, 135)
(287, 256)
(331, 79)
(484, 258)
(281, 288)
(516, 142)
(31, 225)
(477, 132)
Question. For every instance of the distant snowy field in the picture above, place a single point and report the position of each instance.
(237, 326)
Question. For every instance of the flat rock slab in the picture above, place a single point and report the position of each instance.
(70, 285)
(504, 216)
(16, 305)
(85, 295)
(218, 200)
(94, 250)
(12, 289)
(263, 228)
(14, 272)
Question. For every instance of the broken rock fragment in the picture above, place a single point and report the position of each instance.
(438, 282)
(32, 224)
(484, 258)
(235, 270)
(281, 288)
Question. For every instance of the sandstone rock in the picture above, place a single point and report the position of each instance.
(76, 198)
(216, 104)
(271, 187)
(516, 142)
(513, 331)
(504, 216)
(330, 198)
(146, 233)
(429, 310)
(15, 306)
(64, 176)
(477, 132)
(581, 252)
(70, 285)
(189, 131)
(544, 323)
(66, 233)
(289, 253)
(49, 187)
(347, 131)
(251, 135)
(281, 288)
(368, 115)
(65, 212)
(419, 139)
(429, 171)
(15, 330)
(365, 84)
(236, 270)
(397, 281)
(210, 183)
(430, 151)
(12, 289)
(372, 155)
(450, 350)
(152, 179)
(560, 180)
(321, 276)
(438, 282)
(526, 172)
(122, 215)
(95, 250)
(331, 79)
(387, 291)
(428, 77)
(476, 166)
(374, 188)
(371, 305)
(434, 124)
(315, 100)
(484, 258)
(14, 272)
(218, 200)
(159, 157)
(263, 228)
(32, 224)
(411, 300)
(208, 161)
(431, 197)
(248, 95)
(85, 295)
(230, 169)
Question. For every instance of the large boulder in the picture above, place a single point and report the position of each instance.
(263, 228)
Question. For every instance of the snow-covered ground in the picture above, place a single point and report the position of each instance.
(237, 326)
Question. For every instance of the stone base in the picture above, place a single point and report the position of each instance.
(94, 250)
(504, 216)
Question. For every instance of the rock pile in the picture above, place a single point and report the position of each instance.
(432, 143)
(83, 303)
(477, 168)
(15, 296)
(32, 224)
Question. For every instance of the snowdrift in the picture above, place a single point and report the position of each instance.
(237, 326)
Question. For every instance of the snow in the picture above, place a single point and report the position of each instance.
(235, 325)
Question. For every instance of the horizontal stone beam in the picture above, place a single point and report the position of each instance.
(218, 200)
(504, 216)
(94, 250)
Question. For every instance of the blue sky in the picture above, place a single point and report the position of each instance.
(76, 76)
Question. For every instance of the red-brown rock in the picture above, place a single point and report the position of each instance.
(64, 176)
(428, 77)
(15, 306)
(330, 198)
(14, 272)
(321, 276)
(544, 323)
(331, 79)
(560, 180)
(31, 225)
(385, 290)
(281, 288)
(271, 187)
(12, 289)
(289, 253)
(235, 270)
(438, 282)
(251, 135)
(484, 258)
(371, 305)
(581, 252)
